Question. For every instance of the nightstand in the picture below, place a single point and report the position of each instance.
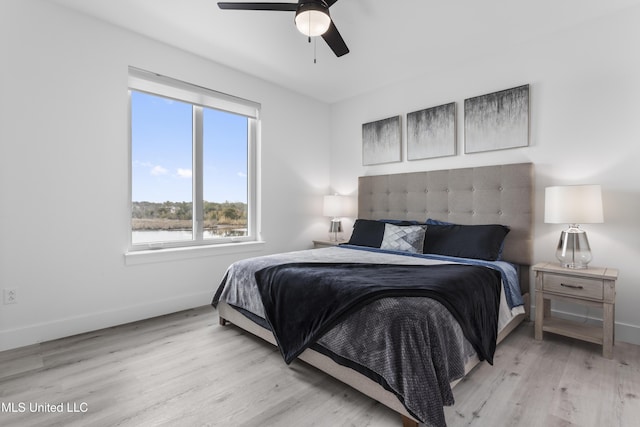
(327, 243)
(593, 287)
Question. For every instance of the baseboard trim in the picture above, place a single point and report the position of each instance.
(47, 331)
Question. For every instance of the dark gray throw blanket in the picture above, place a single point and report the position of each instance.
(303, 301)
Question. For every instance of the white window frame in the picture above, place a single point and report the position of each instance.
(199, 97)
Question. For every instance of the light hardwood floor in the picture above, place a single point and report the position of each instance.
(184, 369)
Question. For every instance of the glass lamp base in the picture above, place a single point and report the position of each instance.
(335, 230)
(573, 248)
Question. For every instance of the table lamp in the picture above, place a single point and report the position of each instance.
(336, 206)
(573, 205)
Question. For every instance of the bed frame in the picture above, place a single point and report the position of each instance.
(500, 194)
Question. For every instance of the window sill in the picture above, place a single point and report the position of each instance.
(176, 254)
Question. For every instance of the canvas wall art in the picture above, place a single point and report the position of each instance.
(496, 121)
(381, 141)
(432, 132)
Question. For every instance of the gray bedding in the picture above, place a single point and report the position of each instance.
(412, 346)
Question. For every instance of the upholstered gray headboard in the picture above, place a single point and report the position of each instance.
(500, 194)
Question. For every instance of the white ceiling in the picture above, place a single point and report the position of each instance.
(389, 40)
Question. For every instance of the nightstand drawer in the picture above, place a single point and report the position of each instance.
(574, 286)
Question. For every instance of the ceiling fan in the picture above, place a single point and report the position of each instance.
(312, 19)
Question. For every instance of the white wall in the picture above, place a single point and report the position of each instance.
(584, 88)
(64, 174)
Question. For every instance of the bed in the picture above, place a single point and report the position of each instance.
(388, 363)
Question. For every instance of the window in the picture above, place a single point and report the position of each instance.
(193, 164)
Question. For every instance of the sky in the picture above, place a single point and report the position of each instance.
(161, 152)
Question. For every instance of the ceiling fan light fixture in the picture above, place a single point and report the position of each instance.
(312, 19)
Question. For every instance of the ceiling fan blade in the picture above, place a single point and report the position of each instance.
(330, 2)
(335, 41)
(258, 6)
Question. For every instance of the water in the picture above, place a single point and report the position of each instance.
(154, 236)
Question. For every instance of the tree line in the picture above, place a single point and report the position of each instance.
(144, 214)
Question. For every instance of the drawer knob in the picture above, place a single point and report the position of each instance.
(572, 286)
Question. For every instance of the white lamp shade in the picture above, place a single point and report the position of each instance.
(312, 22)
(573, 204)
(336, 206)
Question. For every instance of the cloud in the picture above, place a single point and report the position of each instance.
(184, 173)
(158, 170)
(242, 174)
(143, 164)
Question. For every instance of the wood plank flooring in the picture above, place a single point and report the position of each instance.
(184, 369)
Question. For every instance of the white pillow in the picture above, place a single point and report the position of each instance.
(408, 238)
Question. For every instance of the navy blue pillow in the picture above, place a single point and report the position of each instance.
(368, 232)
(431, 221)
(465, 241)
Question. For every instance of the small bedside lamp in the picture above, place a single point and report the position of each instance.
(573, 205)
(336, 206)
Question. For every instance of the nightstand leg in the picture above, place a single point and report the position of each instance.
(608, 331)
(540, 311)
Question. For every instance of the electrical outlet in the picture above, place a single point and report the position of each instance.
(10, 296)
